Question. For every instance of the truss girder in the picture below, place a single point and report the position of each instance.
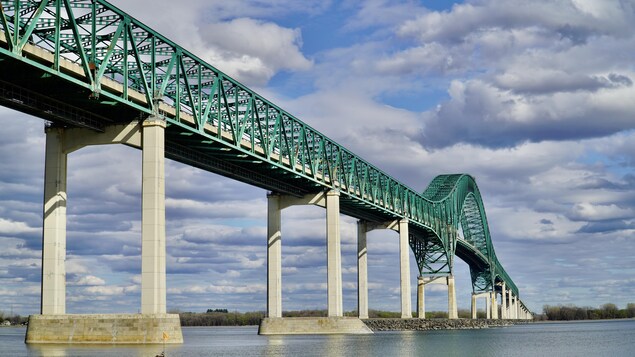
(110, 59)
(457, 200)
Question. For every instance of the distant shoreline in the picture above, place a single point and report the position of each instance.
(584, 320)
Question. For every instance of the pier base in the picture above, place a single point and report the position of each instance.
(105, 329)
(312, 326)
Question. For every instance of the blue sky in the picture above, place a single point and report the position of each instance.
(534, 99)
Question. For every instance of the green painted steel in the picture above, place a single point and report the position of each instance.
(87, 63)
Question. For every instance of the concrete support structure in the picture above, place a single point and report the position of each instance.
(153, 290)
(54, 226)
(421, 291)
(274, 257)
(313, 326)
(362, 270)
(453, 312)
(510, 301)
(107, 329)
(54, 325)
(334, 255)
(274, 323)
(503, 302)
(276, 203)
(493, 305)
(404, 259)
(446, 280)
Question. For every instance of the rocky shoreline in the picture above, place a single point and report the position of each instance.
(436, 324)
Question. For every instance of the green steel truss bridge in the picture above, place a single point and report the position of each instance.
(85, 63)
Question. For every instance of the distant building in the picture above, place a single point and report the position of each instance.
(5, 323)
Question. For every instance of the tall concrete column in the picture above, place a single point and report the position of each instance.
(334, 255)
(421, 298)
(453, 312)
(488, 310)
(362, 270)
(473, 307)
(510, 304)
(503, 302)
(494, 305)
(274, 257)
(153, 290)
(404, 259)
(54, 226)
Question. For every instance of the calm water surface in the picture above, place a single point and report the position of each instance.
(597, 338)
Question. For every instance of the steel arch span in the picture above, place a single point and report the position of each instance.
(460, 229)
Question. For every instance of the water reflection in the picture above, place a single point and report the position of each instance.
(47, 350)
(573, 339)
(63, 350)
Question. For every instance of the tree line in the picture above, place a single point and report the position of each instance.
(223, 317)
(572, 312)
(13, 319)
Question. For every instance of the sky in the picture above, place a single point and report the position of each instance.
(534, 99)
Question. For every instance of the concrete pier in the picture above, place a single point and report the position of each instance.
(274, 257)
(54, 225)
(404, 259)
(54, 325)
(493, 305)
(274, 323)
(362, 270)
(421, 298)
(475, 298)
(313, 326)
(503, 302)
(105, 329)
(400, 226)
(153, 291)
(334, 255)
(453, 312)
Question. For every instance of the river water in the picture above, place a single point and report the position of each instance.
(592, 338)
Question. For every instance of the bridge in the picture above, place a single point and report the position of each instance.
(98, 76)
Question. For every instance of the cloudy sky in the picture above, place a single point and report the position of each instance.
(535, 99)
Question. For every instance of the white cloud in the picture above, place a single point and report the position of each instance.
(111, 290)
(481, 113)
(219, 289)
(255, 58)
(572, 20)
(90, 280)
(250, 50)
(586, 211)
(8, 227)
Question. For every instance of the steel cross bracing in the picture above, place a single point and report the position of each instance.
(86, 63)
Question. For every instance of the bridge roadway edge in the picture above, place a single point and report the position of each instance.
(104, 329)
